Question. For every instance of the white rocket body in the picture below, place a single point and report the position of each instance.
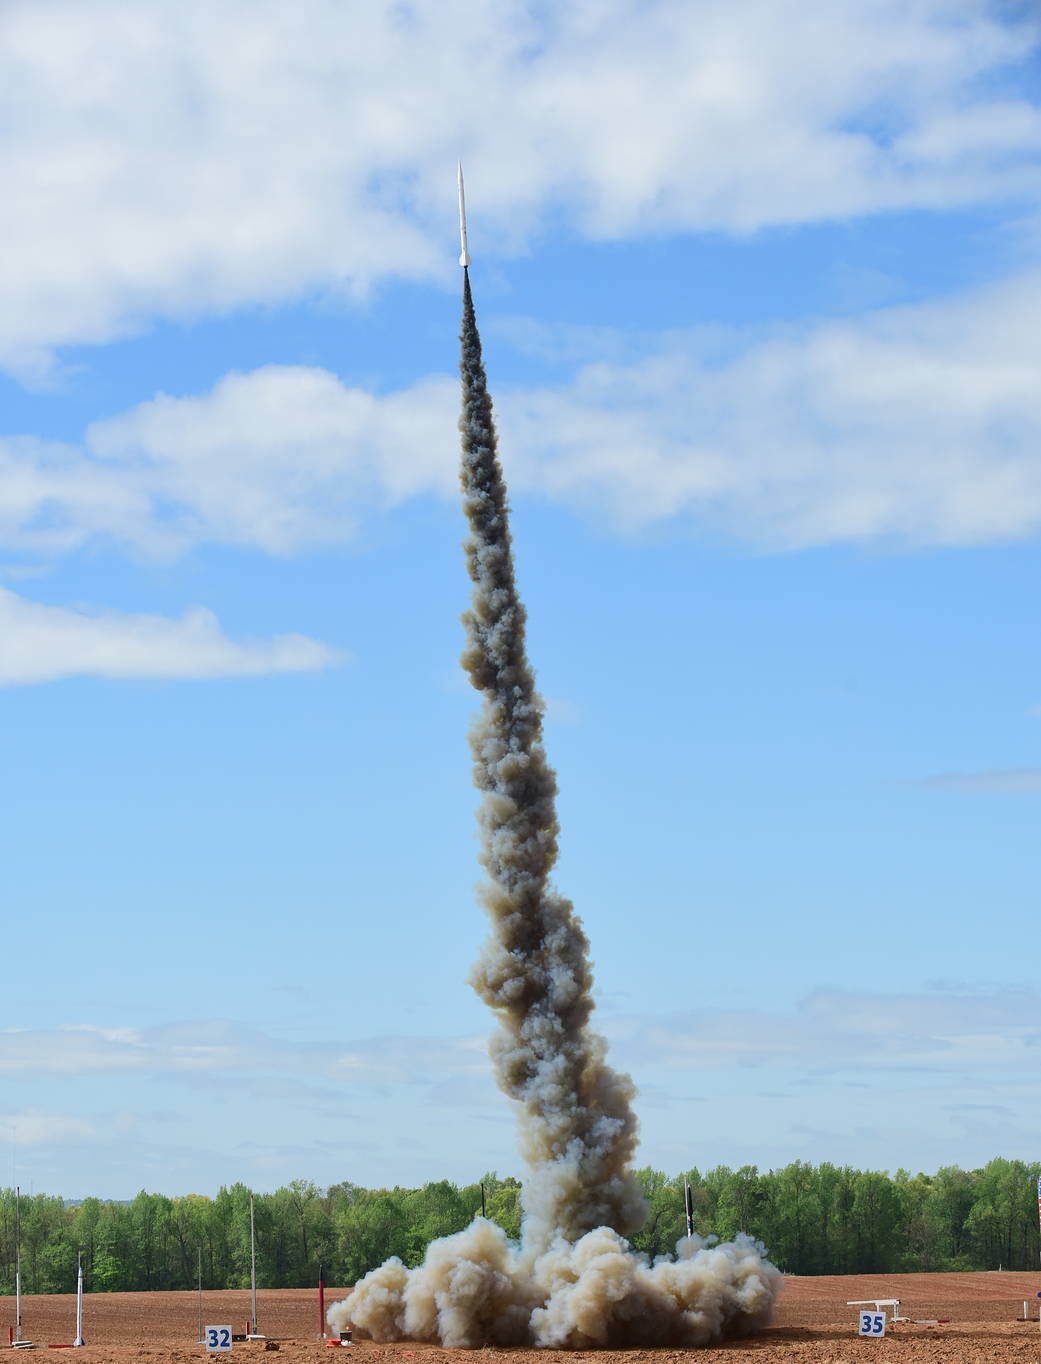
(79, 1304)
(464, 255)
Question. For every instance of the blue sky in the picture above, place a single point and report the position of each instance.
(759, 287)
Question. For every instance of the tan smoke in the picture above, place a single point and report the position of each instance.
(475, 1289)
(572, 1281)
(577, 1126)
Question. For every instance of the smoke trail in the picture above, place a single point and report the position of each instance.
(573, 1280)
(578, 1130)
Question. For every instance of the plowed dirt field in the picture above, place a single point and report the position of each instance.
(813, 1325)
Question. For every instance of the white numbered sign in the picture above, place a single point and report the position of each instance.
(218, 1338)
(872, 1324)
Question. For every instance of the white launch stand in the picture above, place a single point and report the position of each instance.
(253, 1334)
(879, 1304)
(19, 1343)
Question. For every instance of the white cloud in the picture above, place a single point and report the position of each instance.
(834, 1029)
(78, 1049)
(562, 711)
(283, 457)
(20, 572)
(783, 1083)
(919, 424)
(965, 134)
(222, 1048)
(414, 1060)
(941, 1030)
(42, 643)
(190, 155)
(35, 1127)
(1013, 781)
(51, 496)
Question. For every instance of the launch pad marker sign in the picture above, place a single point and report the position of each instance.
(218, 1339)
(872, 1324)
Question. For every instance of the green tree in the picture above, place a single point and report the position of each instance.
(951, 1198)
(46, 1247)
(743, 1203)
(433, 1211)
(86, 1221)
(666, 1216)
(1001, 1219)
(502, 1201)
(796, 1217)
(919, 1229)
(876, 1219)
(371, 1230)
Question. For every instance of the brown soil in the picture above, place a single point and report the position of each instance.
(813, 1326)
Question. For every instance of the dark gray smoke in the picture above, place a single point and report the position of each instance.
(573, 1280)
(578, 1130)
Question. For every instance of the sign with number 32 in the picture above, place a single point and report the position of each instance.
(872, 1324)
(218, 1338)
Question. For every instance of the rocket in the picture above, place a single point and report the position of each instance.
(79, 1301)
(464, 255)
(321, 1302)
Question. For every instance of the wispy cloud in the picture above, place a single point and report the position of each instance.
(414, 1059)
(562, 711)
(1009, 781)
(785, 1083)
(36, 1127)
(623, 118)
(79, 1049)
(43, 643)
(917, 425)
(201, 1049)
(829, 1029)
(832, 1029)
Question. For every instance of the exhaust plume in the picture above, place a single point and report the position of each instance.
(577, 1126)
(573, 1280)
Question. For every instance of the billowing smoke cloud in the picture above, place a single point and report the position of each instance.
(476, 1289)
(578, 1129)
(572, 1281)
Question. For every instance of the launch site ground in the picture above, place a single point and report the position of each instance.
(812, 1324)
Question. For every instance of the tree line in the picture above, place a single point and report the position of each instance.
(815, 1219)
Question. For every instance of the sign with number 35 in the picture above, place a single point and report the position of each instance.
(218, 1338)
(872, 1324)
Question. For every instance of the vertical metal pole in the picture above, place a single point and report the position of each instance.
(321, 1302)
(252, 1270)
(79, 1299)
(199, 1248)
(17, 1264)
